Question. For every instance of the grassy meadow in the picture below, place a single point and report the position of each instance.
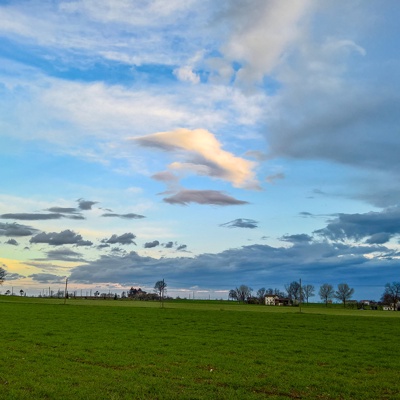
(105, 349)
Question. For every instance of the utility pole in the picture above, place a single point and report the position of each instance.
(161, 290)
(162, 295)
(66, 290)
(301, 292)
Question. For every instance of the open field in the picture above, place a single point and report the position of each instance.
(195, 350)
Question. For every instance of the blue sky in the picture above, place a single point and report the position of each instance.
(211, 144)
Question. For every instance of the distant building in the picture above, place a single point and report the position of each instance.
(275, 300)
(270, 299)
(392, 307)
(136, 293)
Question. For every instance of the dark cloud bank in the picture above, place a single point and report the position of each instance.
(373, 227)
(125, 238)
(86, 204)
(124, 216)
(47, 278)
(349, 249)
(15, 229)
(58, 239)
(256, 265)
(152, 244)
(55, 212)
(12, 242)
(64, 254)
(32, 216)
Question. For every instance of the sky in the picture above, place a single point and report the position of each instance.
(207, 143)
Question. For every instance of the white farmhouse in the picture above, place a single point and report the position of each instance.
(270, 299)
(275, 300)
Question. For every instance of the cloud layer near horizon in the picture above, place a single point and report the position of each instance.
(254, 265)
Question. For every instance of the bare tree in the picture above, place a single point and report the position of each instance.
(2, 275)
(261, 295)
(326, 292)
(275, 291)
(344, 293)
(293, 290)
(308, 291)
(160, 288)
(232, 294)
(391, 295)
(243, 292)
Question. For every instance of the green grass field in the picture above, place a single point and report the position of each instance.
(195, 350)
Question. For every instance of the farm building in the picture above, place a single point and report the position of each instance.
(275, 300)
(134, 293)
(392, 307)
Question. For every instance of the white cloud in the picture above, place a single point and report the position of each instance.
(186, 74)
(203, 155)
(130, 12)
(337, 45)
(134, 31)
(261, 33)
(75, 111)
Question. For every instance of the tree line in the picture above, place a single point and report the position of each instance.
(296, 293)
(159, 292)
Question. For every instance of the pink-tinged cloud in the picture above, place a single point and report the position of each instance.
(202, 154)
(212, 197)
